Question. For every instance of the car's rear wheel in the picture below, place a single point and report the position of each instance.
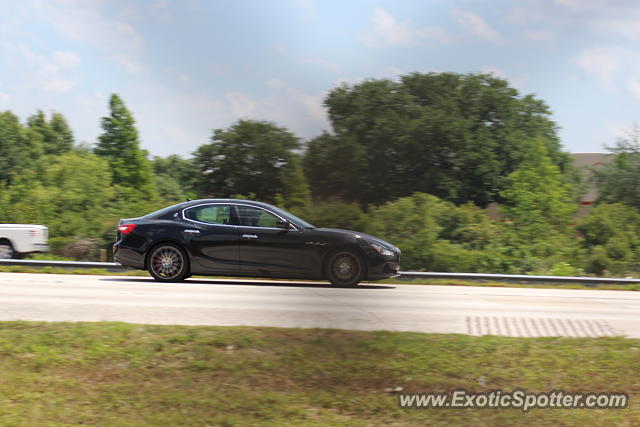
(344, 268)
(6, 250)
(168, 263)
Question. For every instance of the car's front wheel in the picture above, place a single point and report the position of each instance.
(168, 263)
(344, 268)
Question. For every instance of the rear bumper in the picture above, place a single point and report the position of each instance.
(127, 257)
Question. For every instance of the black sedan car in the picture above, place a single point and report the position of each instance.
(229, 237)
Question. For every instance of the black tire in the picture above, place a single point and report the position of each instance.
(6, 250)
(168, 263)
(344, 268)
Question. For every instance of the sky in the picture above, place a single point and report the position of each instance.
(185, 67)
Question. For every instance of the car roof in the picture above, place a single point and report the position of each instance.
(236, 201)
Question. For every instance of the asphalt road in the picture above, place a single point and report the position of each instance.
(440, 309)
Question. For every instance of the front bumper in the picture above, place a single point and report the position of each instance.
(40, 247)
(385, 268)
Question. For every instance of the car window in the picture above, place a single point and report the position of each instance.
(256, 217)
(211, 214)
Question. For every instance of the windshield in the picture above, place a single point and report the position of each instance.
(292, 218)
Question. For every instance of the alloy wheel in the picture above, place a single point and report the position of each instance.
(345, 269)
(167, 262)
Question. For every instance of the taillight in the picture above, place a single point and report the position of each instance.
(33, 233)
(126, 228)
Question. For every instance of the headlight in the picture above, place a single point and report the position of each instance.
(381, 250)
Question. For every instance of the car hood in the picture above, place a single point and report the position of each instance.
(367, 237)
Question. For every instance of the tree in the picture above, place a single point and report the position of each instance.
(57, 137)
(120, 146)
(451, 135)
(536, 192)
(611, 235)
(249, 157)
(175, 177)
(20, 148)
(71, 196)
(539, 202)
(619, 180)
(330, 164)
(363, 162)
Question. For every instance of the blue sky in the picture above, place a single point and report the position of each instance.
(186, 67)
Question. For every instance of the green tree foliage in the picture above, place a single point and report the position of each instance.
(451, 135)
(249, 157)
(338, 215)
(619, 180)
(611, 236)
(176, 177)
(71, 197)
(536, 193)
(331, 163)
(55, 134)
(436, 235)
(539, 203)
(20, 148)
(120, 146)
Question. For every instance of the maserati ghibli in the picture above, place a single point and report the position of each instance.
(229, 237)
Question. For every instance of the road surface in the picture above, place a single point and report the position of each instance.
(439, 309)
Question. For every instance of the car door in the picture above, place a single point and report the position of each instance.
(267, 250)
(212, 237)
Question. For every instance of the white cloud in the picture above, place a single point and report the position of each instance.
(4, 97)
(306, 6)
(322, 63)
(87, 23)
(58, 85)
(276, 83)
(90, 22)
(126, 62)
(302, 112)
(627, 27)
(280, 48)
(66, 59)
(44, 71)
(540, 35)
(241, 104)
(476, 25)
(634, 87)
(389, 32)
(494, 71)
(601, 62)
(348, 80)
(517, 82)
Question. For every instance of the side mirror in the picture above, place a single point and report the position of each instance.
(285, 225)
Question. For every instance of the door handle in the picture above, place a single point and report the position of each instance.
(192, 231)
(249, 236)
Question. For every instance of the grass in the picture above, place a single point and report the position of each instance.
(124, 374)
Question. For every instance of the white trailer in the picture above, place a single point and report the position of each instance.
(19, 239)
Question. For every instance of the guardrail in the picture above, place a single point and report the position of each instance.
(403, 274)
(66, 264)
(519, 278)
